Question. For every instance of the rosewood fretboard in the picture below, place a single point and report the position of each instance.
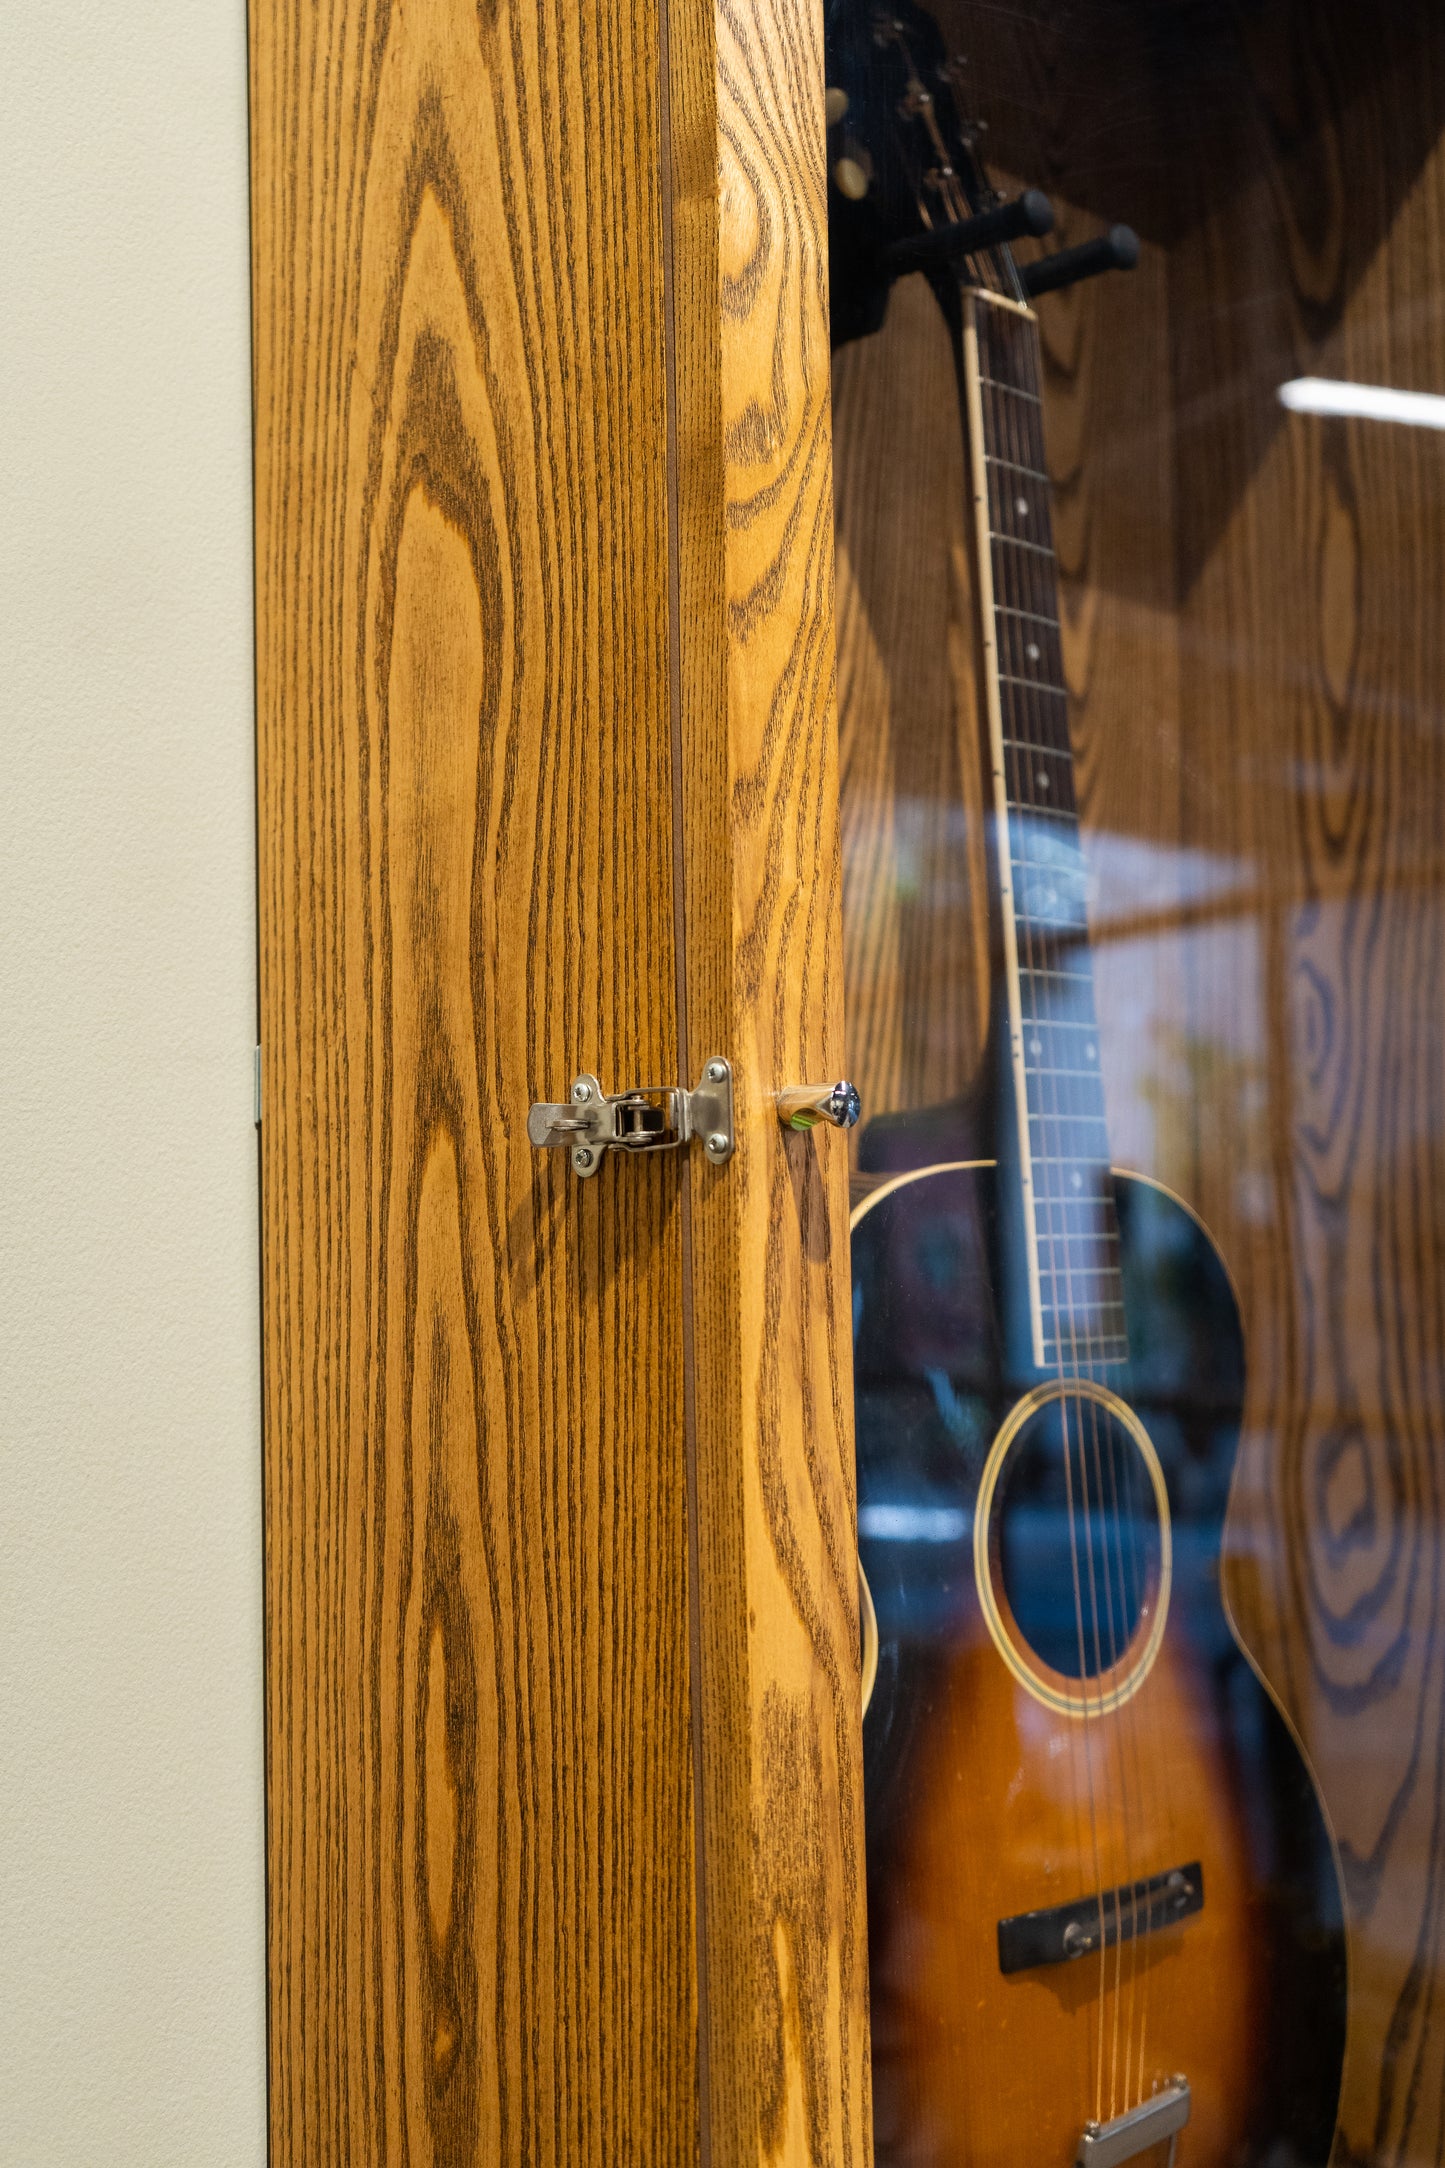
(1073, 1240)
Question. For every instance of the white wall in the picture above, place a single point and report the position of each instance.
(131, 1893)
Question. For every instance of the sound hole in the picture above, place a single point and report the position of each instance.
(1077, 1533)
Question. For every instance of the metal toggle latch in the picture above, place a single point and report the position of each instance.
(652, 1118)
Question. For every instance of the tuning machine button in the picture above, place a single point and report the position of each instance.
(1116, 250)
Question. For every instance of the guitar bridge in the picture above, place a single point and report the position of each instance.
(1106, 2145)
(1065, 1933)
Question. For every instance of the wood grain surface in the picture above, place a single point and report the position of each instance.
(1258, 676)
(482, 1940)
(916, 956)
(560, 1520)
(780, 1762)
(1315, 675)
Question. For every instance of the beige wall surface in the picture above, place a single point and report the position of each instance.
(131, 1891)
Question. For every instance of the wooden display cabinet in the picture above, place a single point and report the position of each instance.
(566, 1857)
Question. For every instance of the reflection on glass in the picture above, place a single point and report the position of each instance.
(1143, 753)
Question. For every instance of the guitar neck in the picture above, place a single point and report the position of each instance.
(1075, 1287)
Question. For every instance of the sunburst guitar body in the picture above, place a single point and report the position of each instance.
(1099, 1872)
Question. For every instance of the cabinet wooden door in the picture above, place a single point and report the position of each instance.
(565, 1857)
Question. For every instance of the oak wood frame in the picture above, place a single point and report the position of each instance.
(564, 1804)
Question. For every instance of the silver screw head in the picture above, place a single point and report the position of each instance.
(581, 1089)
(845, 1104)
(717, 1070)
(717, 1144)
(582, 1158)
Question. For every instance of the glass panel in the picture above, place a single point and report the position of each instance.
(1141, 694)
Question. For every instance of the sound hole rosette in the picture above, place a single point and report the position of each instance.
(1098, 1693)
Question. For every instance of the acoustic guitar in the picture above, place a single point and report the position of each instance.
(1105, 1908)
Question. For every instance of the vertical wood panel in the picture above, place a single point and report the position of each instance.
(916, 955)
(481, 1901)
(1316, 684)
(781, 1800)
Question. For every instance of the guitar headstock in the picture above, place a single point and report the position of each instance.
(907, 186)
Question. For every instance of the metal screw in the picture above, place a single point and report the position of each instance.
(717, 1070)
(582, 1158)
(717, 1144)
(581, 1089)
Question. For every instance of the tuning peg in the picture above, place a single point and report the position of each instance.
(1030, 213)
(1116, 250)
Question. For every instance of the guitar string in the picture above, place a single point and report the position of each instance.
(1045, 1235)
(1148, 1786)
(1042, 592)
(1129, 1583)
(1033, 590)
(1030, 720)
(983, 317)
(1127, 1732)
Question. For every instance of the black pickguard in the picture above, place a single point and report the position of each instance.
(941, 1353)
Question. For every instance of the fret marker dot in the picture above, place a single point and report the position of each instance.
(1090, 1051)
(1032, 651)
(1042, 780)
(1077, 1180)
(1021, 506)
(1036, 1046)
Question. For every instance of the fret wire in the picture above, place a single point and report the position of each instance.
(1017, 542)
(993, 459)
(996, 384)
(1085, 1350)
(1036, 1024)
(1078, 1253)
(1048, 745)
(1003, 609)
(1097, 1241)
(1103, 1272)
(1093, 1203)
(1072, 1016)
